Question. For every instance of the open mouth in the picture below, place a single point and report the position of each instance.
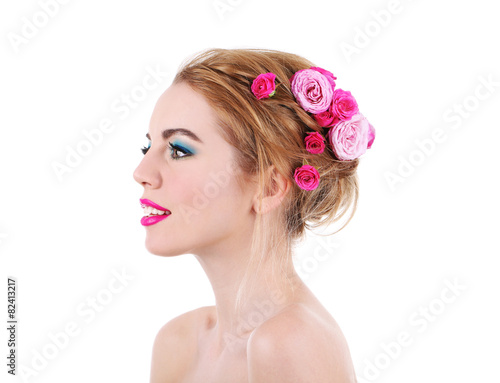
(151, 208)
(150, 211)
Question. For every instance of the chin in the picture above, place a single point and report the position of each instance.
(162, 249)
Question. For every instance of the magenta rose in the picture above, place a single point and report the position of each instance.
(349, 139)
(312, 90)
(263, 86)
(327, 118)
(344, 106)
(307, 177)
(314, 142)
(329, 75)
(371, 136)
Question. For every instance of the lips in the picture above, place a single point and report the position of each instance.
(154, 212)
(151, 220)
(146, 202)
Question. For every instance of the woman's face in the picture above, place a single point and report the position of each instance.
(189, 170)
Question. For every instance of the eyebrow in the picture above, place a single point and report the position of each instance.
(167, 133)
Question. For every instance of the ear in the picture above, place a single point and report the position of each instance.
(277, 188)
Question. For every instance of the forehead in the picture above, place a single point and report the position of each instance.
(180, 107)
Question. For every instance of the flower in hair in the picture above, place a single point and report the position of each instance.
(349, 134)
(329, 75)
(312, 90)
(307, 177)
(263, 86)
(314, 142)
(344, 106)
(349, 139)
(371, 136)
(326, 118)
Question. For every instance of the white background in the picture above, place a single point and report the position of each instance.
(62, 238)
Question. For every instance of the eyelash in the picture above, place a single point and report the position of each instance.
(172, 148)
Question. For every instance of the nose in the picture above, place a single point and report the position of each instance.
(146, 173)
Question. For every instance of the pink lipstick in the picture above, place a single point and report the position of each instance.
(147, 202)
(151, 220)
(153, 213)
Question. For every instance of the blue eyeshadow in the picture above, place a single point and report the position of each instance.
(182, 146)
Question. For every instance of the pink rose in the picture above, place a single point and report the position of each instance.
(371, 136)
(307, 177)
(349, 139)
(315, 143)
(344, 106)
(263, 86)
(327, 118)
(312, 90)
(329, 75)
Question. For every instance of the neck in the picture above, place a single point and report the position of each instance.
(268, 291)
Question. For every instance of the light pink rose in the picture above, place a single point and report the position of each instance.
(307, 177)
(344, 106)
(329, 75)
(315, 142)
(312, 90)
(349, 139)
(263, 85)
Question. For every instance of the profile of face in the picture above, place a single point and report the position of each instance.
(189, 170)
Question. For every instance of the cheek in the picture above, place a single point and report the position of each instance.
(207, 193)
(185, 189)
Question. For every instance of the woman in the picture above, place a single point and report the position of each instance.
(248, 148)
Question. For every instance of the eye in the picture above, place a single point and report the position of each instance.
(145, 149)
(176, 149)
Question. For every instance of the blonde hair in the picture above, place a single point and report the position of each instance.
(271, 132)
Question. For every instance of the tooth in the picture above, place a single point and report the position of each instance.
(149, 210)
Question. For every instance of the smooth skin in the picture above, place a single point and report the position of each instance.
(278, 336)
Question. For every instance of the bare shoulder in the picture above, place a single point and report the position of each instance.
(299, 345)
(175, 344)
